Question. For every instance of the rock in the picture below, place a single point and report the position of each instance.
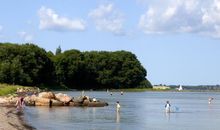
(38, 101)
(8, 101)
(12, 99)
(97, 104)
(77, 102)
(48, 95)
(63, 97)
(50, 99)
(86, 102)
(30, 100)
(56, 103)
(3, 100)
(42, 101)
(72, 104)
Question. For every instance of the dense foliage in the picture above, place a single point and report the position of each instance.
(25, 65)
(28, 64)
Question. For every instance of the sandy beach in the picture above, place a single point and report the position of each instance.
(11, 119)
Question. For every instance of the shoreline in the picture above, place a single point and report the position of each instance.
(11, 119)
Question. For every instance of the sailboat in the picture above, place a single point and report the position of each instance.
(180, 88)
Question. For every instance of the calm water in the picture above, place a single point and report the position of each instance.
(139, 111)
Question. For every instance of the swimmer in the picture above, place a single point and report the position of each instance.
(122, 93)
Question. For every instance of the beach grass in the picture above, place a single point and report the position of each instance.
(6, 89)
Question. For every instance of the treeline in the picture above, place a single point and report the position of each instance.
(28, 64)
(197, 87)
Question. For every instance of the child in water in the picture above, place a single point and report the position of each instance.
(167, 107)
(118, 106)
(20, 103)
(210, 99)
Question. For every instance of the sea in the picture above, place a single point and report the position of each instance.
(139, 111)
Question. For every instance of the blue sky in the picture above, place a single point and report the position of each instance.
(177, 41)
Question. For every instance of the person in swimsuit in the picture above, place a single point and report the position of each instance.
(118, 106)
(20, 103)
(167, 107)
(210, 100)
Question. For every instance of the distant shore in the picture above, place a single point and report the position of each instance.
(11, 119)
(159, 90)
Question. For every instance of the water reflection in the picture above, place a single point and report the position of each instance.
(167, 114)
(94, 112)
(117, 117)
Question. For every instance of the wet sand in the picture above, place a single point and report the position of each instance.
(11, 119)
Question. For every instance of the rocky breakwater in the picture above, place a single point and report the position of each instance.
(51, 99)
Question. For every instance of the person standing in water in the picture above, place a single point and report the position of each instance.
(210, 99)
(167, 107)
(20, 103)
(118, 106)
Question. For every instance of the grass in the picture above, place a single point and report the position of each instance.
(6, 89)
(55, 87)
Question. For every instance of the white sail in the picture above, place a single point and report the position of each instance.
(180, 88)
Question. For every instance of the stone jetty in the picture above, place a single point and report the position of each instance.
(51, 99)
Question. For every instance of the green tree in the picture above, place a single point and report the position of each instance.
(28, 64)
(67, 66)
(99, 70)
(58, 50)
(25, 64)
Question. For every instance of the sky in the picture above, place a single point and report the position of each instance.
(177, 41)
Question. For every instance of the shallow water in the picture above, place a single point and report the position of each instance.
(139, 111)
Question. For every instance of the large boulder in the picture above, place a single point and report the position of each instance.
(86, 102)
(47, 102)
(3, 100)
(30, 100)
(8, 101)
(63, 97)
(56, 103)
(48, 95)
(12, 99)
(97, 104)
(42, 101)
(72, 104)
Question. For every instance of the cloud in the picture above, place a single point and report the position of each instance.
(26, 36)
(108, 18)
(211, 19)
(49, 20)
(182, 16)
